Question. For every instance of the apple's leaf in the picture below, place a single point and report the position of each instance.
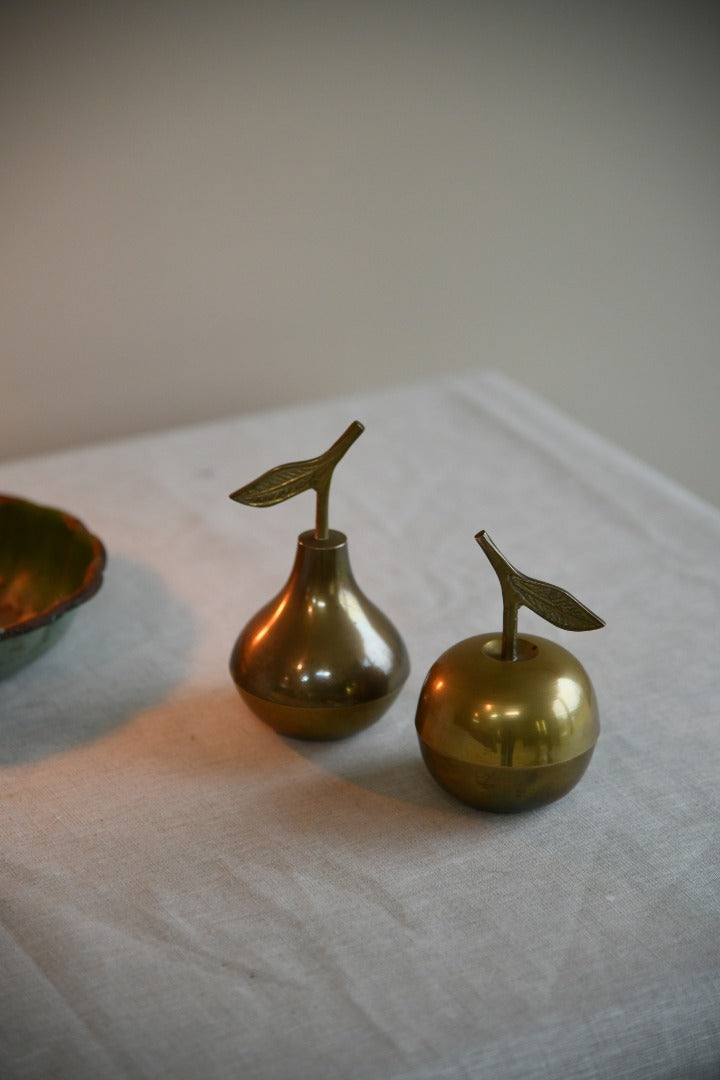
(554, 604)
(280, 483)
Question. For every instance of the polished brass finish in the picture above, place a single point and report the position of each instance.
(508, 723)
(320, 660)
(49, 565)
(507, 735)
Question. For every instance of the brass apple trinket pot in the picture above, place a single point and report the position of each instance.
(506, 722)
(320, 660)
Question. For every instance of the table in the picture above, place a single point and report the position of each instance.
(186, 893)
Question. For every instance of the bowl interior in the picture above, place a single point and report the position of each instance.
(48, 563)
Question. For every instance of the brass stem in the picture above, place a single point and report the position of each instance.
(511, 601)
(341, 446)
(322, 509)
(330, 458)
(509, 631)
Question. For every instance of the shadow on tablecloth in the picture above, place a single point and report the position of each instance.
(124, 652)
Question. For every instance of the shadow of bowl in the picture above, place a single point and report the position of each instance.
(128, 653)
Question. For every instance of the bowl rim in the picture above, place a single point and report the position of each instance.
(92, 578)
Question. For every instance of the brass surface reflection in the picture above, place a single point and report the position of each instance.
(320, 660)
(508, 722)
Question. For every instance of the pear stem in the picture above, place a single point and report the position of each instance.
(330, 459)
(322, 510)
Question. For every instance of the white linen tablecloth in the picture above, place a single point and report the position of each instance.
(187, 894)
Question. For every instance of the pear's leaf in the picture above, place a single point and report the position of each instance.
(281, 483)
(554, 604)
(284, 481)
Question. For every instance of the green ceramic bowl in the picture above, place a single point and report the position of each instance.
(49, 565)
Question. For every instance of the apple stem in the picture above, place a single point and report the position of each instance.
(509, 631)
(511, 601)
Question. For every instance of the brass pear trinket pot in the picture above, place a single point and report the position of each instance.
(320, 660)
(508, 723)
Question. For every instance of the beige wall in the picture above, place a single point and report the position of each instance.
(211, 208)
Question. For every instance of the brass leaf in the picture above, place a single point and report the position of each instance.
(280, 483)
(284, 481)
(553, 603)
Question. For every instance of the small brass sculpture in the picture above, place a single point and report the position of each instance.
(320, 660)
(507, 723)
